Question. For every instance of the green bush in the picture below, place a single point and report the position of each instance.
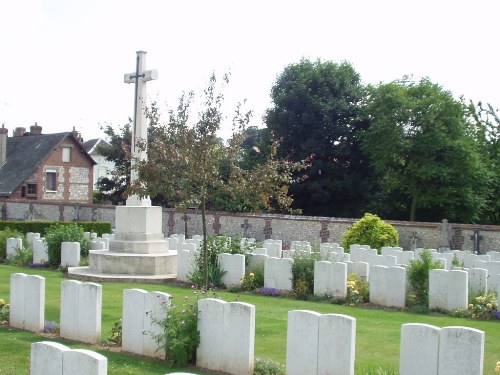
(4, 312)
(418, 277)
(7, 232)
(371, 230)
(22, 257)
(303, 273)
(59, 233)
(268, 367)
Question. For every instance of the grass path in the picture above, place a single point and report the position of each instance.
(377, 333)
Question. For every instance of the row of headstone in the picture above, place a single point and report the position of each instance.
(81, 308)
(320, 343)
(388, 286)
(52, 358)
(227, 336)
(448, 290)
(426, 349)
(12, 246)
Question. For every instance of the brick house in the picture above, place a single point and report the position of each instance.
(44, 167)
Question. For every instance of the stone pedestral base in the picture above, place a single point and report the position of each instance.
(138, 250)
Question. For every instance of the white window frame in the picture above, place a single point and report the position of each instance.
(51, 172)
(66, 154)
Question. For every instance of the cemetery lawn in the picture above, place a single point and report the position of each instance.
(377, 331)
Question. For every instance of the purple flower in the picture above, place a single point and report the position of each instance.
(495, 313)
(270, 292)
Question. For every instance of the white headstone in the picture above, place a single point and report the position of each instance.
(47, 358)
(40, 251)
(396, 287)
(461, 351)
(302, 342)
(438, 289)
(278, 273)
(70, 254)
(27, 302)
(84, 362)
(378, 285)
(458, 290)
(234, 267)
(478, 281)
(13, 245)
(185, 264)
(419, 349)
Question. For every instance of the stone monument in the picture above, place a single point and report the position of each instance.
(138, 251)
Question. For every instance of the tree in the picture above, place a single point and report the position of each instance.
(187, 161)
(486, 132)
(419, 143)
(317, 111)
(117, 151)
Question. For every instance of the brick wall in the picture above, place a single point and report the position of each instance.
(285, 227)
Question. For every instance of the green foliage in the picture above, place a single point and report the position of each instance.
(180, 336)
(317, 110)
(481, 307)
(377, 371)
(21, 258)
(7, 232)
(4, 312)
(420, 145)
(268, 367)
(371, 230)
(418, 277)
(58, 233)
(115, 335)
(42, 226)
(303, 273)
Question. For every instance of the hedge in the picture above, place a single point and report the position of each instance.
(41, 226)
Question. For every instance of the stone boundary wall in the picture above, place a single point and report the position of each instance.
(260, 226)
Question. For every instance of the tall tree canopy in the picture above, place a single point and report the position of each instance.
(419, 141)
(317, 112)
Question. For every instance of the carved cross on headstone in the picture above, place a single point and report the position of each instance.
(476, 238)
(246, 225)
(139, 129)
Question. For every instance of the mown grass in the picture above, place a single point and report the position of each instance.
(377, 333)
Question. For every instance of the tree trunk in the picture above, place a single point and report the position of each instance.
(205, 252)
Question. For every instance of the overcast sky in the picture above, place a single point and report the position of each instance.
(62, 61)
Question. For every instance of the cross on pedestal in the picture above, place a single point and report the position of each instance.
(140, 128)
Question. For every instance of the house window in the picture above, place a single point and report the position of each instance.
(31, 190)
(66, 154)
(51, 180)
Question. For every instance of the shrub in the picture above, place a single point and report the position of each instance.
(42, 226)
(180, 336)
(358, 290)
(418, 277)
(482, 307)
(268, 367)
(371, 230)
(22, 258)
(116, 333)
(303, 273)
(9, 233)
(4, 312)
(57, 234)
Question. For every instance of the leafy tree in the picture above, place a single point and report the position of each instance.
(371, 230)
(187, 161)
(317, 111)
(486, 132)
(419, 143)
(117, 151)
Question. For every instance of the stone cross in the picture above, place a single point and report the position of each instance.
(445, 241)
(245, 226)
(140, 128)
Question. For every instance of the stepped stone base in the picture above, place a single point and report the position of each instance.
(138, 252)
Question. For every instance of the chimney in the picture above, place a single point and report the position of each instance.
(3, 145)
(19, 132)
(35, 129)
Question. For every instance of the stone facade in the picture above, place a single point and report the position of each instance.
(260, 226)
